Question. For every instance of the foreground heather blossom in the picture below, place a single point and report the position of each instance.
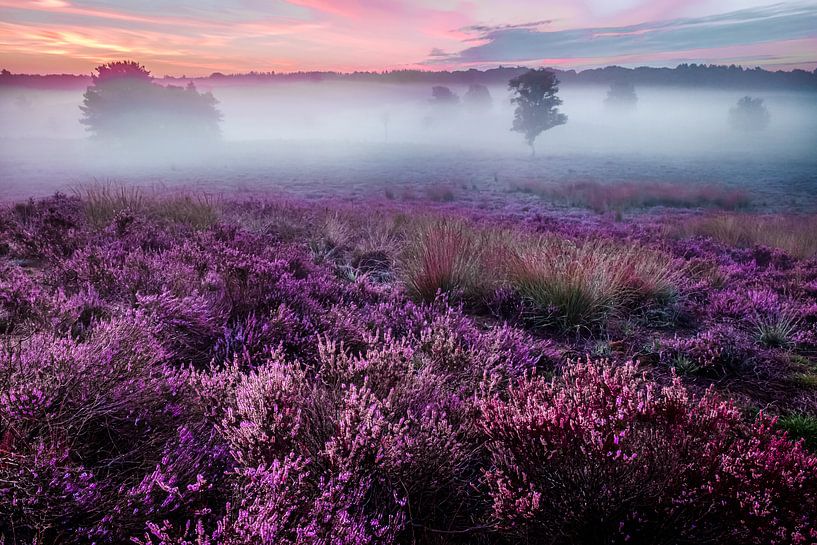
(267, 378)
(605, 455)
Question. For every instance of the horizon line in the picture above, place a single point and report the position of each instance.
(430, 71)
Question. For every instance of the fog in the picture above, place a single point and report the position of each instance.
(349, 132)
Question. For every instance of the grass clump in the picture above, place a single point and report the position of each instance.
(792, 234)
(103, 202)
(776, 331)
(579, 284)
(443, 256)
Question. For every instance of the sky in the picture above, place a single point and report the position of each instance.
(197, 37)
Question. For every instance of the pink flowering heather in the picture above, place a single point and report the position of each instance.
(272, 372)
(603, 454)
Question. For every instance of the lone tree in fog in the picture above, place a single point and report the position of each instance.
(443, 96)
(478, 98)
(534, 94)
(125, 104)
(750, 114)
(621, 95)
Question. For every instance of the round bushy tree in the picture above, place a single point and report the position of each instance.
(621, 95)
(535, 96)
(749, 114)
(478, 98)
(125, 104)
(443, 96)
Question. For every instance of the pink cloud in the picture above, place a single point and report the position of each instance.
(315, 34)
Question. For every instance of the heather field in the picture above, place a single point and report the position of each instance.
(477, 361)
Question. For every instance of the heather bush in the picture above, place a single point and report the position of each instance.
(603, 455)
(187, 326)
(46, 228)
(20, 297)
(718, 350)
(103, 417)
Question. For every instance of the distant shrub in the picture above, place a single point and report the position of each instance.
(440, 193)
(443, 97)
(477, 98)
(621, 95)
(749, 114)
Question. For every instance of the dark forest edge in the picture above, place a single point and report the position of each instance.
(686, 75)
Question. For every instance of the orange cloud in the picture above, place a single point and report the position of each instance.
(304, 34)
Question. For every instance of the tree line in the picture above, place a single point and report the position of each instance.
(684, 75)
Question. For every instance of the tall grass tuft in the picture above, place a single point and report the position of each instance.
(776, 330)
(442, 256)
(104, 201)
(579, 284)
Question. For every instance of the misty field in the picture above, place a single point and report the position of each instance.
(357, 140)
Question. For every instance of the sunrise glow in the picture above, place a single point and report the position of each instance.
(194, 38)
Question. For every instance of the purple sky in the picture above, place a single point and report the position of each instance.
(196, 37)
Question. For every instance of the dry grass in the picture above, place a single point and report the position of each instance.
(579, 284)
(381, 235)
(623, 196)
(103, 202)
(568, 283)
(443, 255)
(336, 231)
(796, 235)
